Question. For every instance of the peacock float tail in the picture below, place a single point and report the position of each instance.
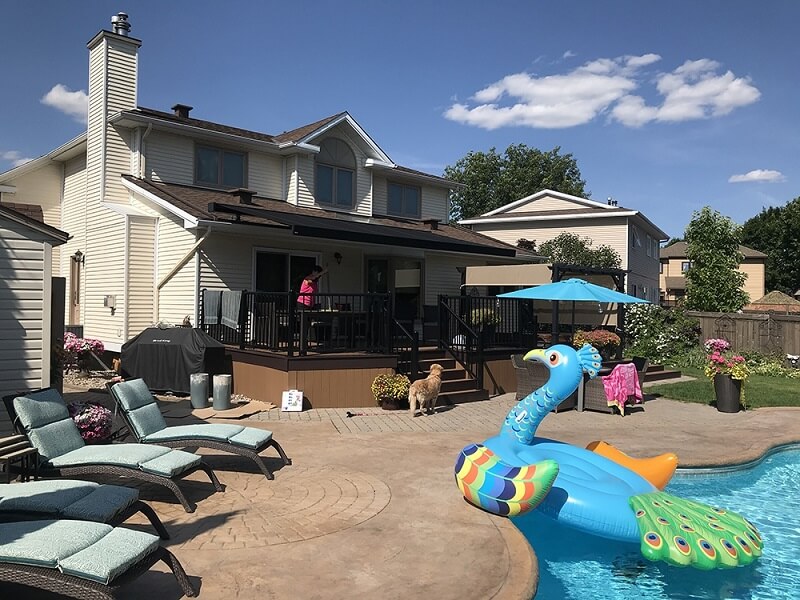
(502, 489)
(687, 533)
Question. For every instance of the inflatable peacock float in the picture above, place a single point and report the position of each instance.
(599, 491)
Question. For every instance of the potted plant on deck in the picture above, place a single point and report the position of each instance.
(391, 391)
(728, 371)
(605, 341)
(485, 320)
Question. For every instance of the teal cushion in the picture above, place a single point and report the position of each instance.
(123, 455)
(48, 424)
(46, 497)
(146, 420)
(110, 556)
(132, 394)
(252, 437)
(45, 543)
(205, 431)
(170, 464)
(101, 504)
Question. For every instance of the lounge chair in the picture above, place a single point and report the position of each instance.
(531, 375)
(80, 559)
(43, 417)
(594, 393)
(78, 500)
(145, 422)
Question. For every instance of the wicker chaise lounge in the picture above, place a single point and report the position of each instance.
(43, 417)
(531, 375)
(79, 559)
(78, 500)
(145, 422)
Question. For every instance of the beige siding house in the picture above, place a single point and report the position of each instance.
(26, 257)
(544, 215)
(674, 265)
(161, 205)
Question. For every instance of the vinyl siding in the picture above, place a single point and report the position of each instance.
(643, 268)
(546, 203)
(176, 298)
(754, 284)
(22, 310)
(305, 180)
(121, 66)
(442, 275)
(141, 275)
(264, 174)
(291, 179)
(169, 158)
(434, 199)
(73, 222)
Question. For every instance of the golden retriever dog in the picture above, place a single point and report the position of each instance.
(425, 391)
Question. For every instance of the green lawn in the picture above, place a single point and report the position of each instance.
(759, 390)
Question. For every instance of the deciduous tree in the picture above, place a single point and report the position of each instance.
(775, 231)
(575, 250)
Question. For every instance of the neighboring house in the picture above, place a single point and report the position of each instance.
(544, 215)
(26, 296)
(674, 264)
(163, 205)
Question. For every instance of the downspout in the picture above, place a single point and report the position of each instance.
(186, 258)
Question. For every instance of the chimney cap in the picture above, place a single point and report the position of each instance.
(182, 110)
(120, 25)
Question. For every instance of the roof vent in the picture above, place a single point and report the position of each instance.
(434, 223)
(244, 195)
(119, 23)
(182, 110)
(611, 201)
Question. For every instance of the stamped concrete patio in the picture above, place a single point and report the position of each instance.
(369, 508)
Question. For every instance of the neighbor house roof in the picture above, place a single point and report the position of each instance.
(678, 250)
(222, 206)
(775, 301)
(28, 218)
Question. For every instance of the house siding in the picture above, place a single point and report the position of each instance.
(169, 158)
(546, 203)
(264, 174)
(141, 275)
(305, 180)
(643, 268)
(73, 211)
(176, 298)
(434, 200)
(443, 275)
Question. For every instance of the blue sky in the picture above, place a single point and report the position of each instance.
(667, 106)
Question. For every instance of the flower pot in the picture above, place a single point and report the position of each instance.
(728, 391)
(393, 404)
(607, 352)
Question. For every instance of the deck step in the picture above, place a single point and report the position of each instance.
(661, 374)
(446, 363)
(457, 385)
(461, 397)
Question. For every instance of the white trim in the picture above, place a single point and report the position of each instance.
(47, 309)
(104, 108)
(534, 218)
(159, 202)
(346, 118)
(36, 163)
(196, 299)
(542, 194)
(156, 291)
(126, 276)
(124, 209)
(372, 163)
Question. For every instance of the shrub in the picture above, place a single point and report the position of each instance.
(484, 316)
(93, 420)
(390, 387)
(599, 338)
(659, 334)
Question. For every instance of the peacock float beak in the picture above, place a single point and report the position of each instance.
(538, 354)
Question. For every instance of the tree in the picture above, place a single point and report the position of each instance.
(713, 281)
(572, 249)
(491, 180)
(529, 245)
(776, 232)
(673, 241)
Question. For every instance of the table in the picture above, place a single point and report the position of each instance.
(17, 449)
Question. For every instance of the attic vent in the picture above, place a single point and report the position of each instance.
(244, 196)
(120, 25)
(434, 223)
(611, 201)
(182, 110)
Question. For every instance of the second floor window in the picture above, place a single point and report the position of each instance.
(219, 168)
(403, 200)
(335, 180)
(685, 266)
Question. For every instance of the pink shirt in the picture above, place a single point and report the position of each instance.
(309, 288)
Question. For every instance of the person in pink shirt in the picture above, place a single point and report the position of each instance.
(308, 289)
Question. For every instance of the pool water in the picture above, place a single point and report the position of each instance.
(577, 566)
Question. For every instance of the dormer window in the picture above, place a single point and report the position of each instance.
(403, 200)
(336, 174)
(219, 168)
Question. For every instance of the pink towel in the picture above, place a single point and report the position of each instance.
(622, 383)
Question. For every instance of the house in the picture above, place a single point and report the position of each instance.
(163, 206)
(675, 263)
(544, 215)
(28, 325)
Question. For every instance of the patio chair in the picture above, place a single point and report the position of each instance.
(594, 393)
(145, 422)
(42, 416)
(78, 500)
(80, 559)
(531, 375)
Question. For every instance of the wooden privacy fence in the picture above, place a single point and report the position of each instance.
(771, 333)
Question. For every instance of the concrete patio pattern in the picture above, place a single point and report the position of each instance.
(369, 508)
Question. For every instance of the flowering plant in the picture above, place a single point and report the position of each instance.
(93, 420)
(716, 345)
(78, 350)
(726, 362)
(390, 387)
(599, 338)
(485, 316)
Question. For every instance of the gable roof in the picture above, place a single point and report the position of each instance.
(548, 193)
(222, 206)
(20, 213)
(678, 250)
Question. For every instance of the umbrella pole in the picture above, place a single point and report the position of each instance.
(554, 328)
(573, 321)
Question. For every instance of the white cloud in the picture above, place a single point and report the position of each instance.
(15, 157)
(75, 104)
(693, 90)
(759, 176)
(568, 54)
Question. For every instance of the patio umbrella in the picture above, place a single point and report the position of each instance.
(576, 290)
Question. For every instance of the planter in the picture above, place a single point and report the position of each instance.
(728, 392)
(393, 404)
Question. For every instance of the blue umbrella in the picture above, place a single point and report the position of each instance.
(575, 290)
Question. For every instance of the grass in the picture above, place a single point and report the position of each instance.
(759, 391)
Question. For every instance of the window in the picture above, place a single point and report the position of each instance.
(636, 241)
(219, 168)
(685, 266)
(660, 268)
(335, 174)
(649, 248)
(403, 200)
(656, 249)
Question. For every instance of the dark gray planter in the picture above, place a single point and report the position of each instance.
(728, 392)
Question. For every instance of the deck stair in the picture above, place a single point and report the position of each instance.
(659, 373)
(458, 385)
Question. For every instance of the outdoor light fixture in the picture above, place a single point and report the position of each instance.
(79, 257)
(338, 258)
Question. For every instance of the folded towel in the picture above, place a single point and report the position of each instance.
(211, 300)
(231, 302)
(622, 383)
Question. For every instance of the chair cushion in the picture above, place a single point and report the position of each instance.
(246, 437)
(172, 463)
(151, 459)
(252, 437)
(133, 394)
(45, 497)
(140, 406)
(92, 551)
(146, 420)
(102, 504)
(48, 424)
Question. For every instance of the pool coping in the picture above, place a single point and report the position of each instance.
(712, 469)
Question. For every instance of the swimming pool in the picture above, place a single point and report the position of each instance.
(577, 566)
